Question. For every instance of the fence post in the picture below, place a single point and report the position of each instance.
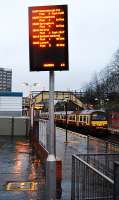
(12, 126)
(116, 181)
(73, 179)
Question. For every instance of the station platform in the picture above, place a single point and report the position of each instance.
(76, 143)
(22, 174)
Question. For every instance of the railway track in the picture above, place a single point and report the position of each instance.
(111, 138)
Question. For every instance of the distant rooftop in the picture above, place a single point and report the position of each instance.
(15, 94)
(5, 69)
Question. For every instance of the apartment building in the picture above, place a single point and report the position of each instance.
(5, 79)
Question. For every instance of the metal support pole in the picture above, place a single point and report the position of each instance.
(51, 160)
(32, 116)
(12, 126)
(31, 111)
(66, 120)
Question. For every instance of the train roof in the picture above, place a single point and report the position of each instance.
(88, 112)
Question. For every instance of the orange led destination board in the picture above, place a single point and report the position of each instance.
(48, 38)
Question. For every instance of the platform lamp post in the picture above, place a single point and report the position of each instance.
(30, 97)
(66, 116)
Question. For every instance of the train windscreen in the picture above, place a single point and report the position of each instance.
(99, 117)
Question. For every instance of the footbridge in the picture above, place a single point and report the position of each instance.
(58, 95)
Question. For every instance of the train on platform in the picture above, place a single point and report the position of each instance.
(88, 120)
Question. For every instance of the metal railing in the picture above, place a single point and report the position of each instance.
(116, 181)
(43, 127)
(95, 177)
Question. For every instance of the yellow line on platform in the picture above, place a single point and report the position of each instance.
(71, 142)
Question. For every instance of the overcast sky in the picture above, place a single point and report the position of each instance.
(93, 39)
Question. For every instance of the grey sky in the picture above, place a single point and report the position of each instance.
(93, 39)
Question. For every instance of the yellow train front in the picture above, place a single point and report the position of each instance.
(88, 120)
(94, 119)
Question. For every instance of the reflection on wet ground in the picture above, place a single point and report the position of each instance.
(19, 164)
(77, 143)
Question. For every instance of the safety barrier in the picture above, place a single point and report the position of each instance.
(43, 127)
(14, 126)
(95, 177)
(39, 141)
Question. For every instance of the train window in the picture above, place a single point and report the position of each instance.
(80, 118)
(62, 116)
(73, 117)
(84, 118)
(87, 119)
(98, 116)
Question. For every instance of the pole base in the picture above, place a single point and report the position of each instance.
(51, 177)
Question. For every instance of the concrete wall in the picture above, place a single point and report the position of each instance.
(5, 126)
(14, 126)
(11, 113)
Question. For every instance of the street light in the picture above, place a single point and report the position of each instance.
(101, 102)
(30, 85)
(30, 97)
(66, 116)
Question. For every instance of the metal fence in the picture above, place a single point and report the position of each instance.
(43, 127)
(95, 177)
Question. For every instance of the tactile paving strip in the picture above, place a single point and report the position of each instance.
(21, 186)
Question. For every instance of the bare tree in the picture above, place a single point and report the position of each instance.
(105, 85)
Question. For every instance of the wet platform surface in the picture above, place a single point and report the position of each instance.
(18, 164)
(77, 144)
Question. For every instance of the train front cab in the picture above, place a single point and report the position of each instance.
(93, 120)
(99, 120)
